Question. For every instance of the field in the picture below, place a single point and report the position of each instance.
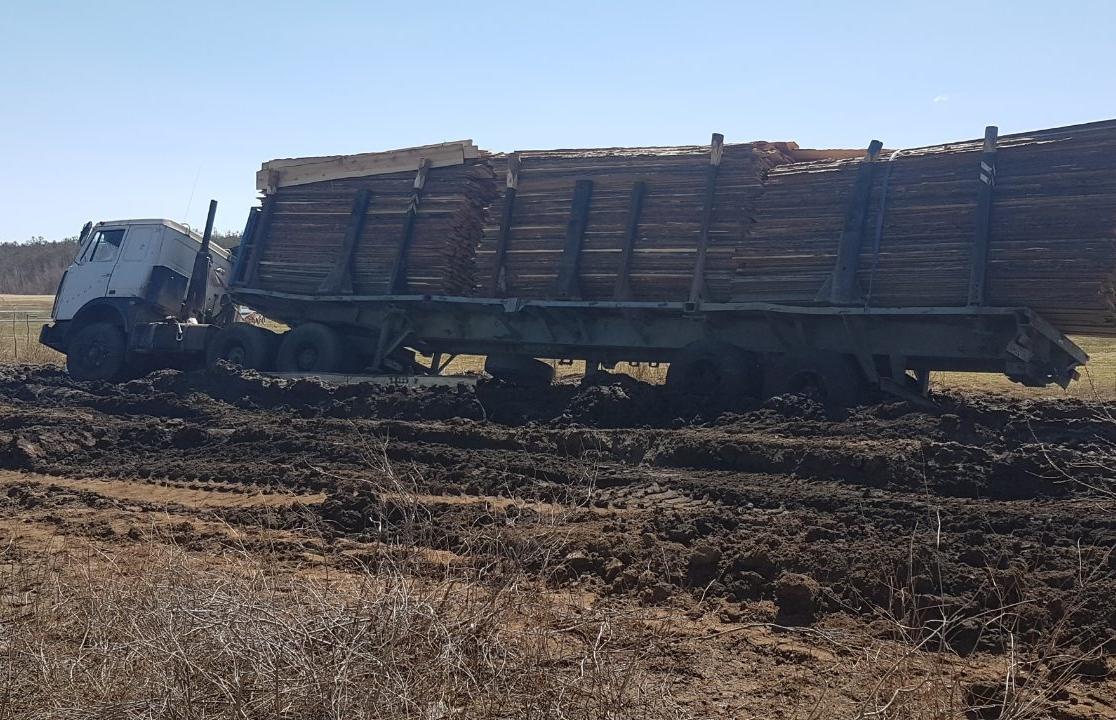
(222, 545)
(21, 316)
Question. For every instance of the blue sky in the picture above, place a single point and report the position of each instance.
(136, 109)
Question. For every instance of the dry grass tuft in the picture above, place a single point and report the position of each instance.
(153, 632)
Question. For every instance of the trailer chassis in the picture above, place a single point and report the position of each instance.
(885, 342)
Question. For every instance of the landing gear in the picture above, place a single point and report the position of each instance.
(244, 345)
(714, 371)
(98, 351)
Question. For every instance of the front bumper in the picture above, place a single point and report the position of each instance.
(54, 335)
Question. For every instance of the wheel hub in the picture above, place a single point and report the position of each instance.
(95, 354)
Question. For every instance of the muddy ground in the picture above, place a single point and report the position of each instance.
(980, 531)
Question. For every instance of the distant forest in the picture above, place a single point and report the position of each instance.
(36, 266)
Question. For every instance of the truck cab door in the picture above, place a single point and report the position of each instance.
(133, 269)
(88, 277)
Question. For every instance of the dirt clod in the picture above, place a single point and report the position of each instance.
(797, 596)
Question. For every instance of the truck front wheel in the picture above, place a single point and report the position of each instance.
(244, 345)
(97, 351)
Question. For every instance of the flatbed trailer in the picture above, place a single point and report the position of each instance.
(776, 342)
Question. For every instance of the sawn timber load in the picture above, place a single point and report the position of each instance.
(631, 224)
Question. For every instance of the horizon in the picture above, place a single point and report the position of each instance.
(94, 130)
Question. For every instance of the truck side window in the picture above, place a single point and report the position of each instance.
(83, 251)
(107, 245)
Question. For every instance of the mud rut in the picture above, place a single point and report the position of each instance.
(996, 503)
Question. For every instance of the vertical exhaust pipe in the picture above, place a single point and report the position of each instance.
(194, 305)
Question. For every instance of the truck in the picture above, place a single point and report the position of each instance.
(142, 294)
(124, 306)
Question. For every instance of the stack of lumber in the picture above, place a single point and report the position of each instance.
(312, 199)
(776, 220)
(1052, 232)
(669, 226)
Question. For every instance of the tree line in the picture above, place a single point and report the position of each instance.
(35, 267)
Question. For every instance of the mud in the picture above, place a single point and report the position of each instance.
(916, 522)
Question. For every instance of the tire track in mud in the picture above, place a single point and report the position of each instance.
(886, 508)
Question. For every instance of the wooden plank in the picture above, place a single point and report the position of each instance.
(289, 172)
(340, 278)
(987, 186)
(716, 151)
(575, 232)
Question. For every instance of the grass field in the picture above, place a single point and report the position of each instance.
(21, 316)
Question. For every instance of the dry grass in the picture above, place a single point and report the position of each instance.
(21, 317)
(150, 630)
(154, 632)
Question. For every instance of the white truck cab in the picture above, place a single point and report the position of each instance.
(129, 276)
(139, 259)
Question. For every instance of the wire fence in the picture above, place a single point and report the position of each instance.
(19, 336)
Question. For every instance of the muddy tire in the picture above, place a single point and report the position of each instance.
(311, 347)
(98, 351)
(832, 378)
(714, 372)
(243, 345)
(519, 370)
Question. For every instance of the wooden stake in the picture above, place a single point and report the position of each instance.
(983, 216)
(716, 150)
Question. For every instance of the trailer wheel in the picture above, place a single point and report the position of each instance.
(98, 351)
(709, 371)
(519, 370)
(311, 347)
(834, 378)
(243, 345)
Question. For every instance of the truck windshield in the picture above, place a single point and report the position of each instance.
(105, 246)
